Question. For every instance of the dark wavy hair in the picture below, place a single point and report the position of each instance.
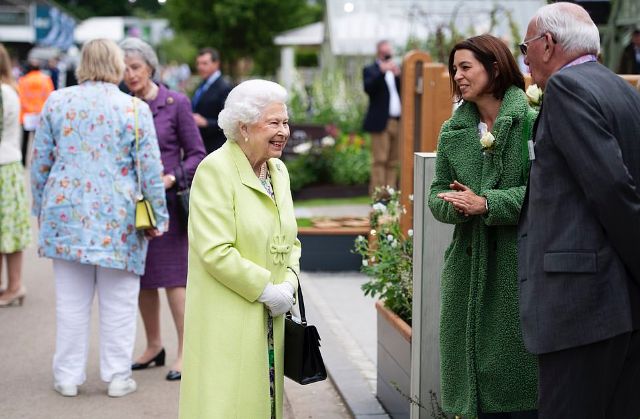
(490, 51)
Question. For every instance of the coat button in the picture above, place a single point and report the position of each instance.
(469, 250)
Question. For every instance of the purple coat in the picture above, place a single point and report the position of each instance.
(177, 134)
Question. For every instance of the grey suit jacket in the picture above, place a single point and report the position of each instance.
(579, 230)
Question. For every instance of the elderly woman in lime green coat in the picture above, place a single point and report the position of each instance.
(243, 264)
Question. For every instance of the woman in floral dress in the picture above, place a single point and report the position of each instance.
(84, 182)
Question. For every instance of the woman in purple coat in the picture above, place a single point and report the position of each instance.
(181, 148)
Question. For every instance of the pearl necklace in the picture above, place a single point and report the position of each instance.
(263, 172)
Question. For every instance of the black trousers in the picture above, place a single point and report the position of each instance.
(596, 381)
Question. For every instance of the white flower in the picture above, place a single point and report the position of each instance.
(365, 262)
(394, 244)
(303, 148)
(328, 141)
(373, 258)
(390, 190)
(389, 237)
(372, 232)
(410, 232)
(410, 197)
(487, 140)
(379, 207)
(534, 93)
(360, 238)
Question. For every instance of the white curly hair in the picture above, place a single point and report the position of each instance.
(245, 104)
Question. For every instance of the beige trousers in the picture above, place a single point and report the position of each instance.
(385, 147)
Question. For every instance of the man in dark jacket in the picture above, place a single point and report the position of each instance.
(630, 60)
(382, 84)
(208, 99)
(579, 230)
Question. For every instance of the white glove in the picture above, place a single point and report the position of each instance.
(278, 298)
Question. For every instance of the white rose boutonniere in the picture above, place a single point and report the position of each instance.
(534, 93)
(487, 141)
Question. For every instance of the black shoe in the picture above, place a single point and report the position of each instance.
(158, 360)
(174, 376)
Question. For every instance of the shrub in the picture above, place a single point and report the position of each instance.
(387, 257)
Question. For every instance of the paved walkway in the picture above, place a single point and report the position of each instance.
(344, 317)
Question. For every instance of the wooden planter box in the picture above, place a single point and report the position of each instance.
(394, 362)
(330, 249)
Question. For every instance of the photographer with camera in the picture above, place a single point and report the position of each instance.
(382, 85)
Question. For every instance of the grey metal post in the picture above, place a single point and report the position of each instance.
(431, 238)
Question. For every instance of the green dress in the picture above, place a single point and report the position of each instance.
(484, 363)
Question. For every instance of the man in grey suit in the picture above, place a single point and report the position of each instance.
(579, 230)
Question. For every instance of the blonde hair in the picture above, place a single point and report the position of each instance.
(101, 60)
(6, 76)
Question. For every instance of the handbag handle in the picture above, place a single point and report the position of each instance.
(303, 316)
(135, 127)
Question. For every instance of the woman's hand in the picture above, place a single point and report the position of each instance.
(278, 298)
(152, 233)
(464, 200)
(169, 181)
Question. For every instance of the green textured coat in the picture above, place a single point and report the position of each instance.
(483, 359)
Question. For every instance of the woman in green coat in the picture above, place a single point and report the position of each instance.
(243, 263)
(479, 185)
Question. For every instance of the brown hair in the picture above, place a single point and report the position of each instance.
(497, 60)
(6, 76)
(213, 53)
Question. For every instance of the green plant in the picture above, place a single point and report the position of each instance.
(350, 160)
(387, 257)
(332, 98)
(303, 170)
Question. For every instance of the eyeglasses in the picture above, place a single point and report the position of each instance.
(524, 45)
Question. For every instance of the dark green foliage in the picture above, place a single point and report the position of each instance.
(241, 29)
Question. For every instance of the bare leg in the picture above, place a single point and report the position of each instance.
(176, 297)
(14, 273)
(149, 303)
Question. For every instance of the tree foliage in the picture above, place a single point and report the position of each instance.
(241, 29)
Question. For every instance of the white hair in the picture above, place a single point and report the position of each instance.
(245, 104)
(136, 46)
(571, 27)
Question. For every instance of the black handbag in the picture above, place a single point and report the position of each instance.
(183, 193)
(302, 359)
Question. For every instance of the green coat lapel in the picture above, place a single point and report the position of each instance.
(247, 176)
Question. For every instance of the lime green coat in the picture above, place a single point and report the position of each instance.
(239, 240)
(483, 359)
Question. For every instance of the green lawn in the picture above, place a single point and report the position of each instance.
(355, 200)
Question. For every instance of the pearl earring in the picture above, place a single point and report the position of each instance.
(246, 140)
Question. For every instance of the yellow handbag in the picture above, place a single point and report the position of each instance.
(145, 218)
